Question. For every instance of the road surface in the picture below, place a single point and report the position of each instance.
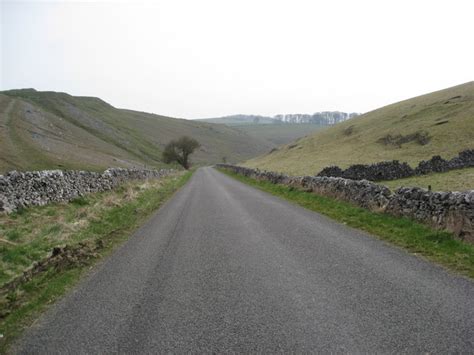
(223, 267)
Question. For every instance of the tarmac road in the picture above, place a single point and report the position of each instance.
(223, 267)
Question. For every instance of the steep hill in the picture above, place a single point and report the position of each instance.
(40, 130)
(441, 123)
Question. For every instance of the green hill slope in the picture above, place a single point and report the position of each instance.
(441, 123)
(40, 130)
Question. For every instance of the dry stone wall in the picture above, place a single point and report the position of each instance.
(33, 188)
(393, 170)
(452, 211)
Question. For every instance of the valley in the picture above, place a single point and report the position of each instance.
(240, 177)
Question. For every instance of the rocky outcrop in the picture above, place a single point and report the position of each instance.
(452, 211)
(33, 188)
(393, 170)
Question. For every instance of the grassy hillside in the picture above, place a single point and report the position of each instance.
(40, 130)
(279, 134)
(412, 130)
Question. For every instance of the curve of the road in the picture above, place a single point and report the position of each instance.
(223, 267)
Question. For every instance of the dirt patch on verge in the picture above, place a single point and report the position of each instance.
(60, 258)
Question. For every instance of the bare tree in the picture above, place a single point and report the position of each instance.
(178, 150)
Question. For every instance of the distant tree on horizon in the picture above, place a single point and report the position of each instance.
(179, 150)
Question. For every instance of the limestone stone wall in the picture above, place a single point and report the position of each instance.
(453, 211)
(32, 188)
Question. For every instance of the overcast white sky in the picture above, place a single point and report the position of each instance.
(210, 58)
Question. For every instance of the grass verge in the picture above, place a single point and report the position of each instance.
(454, 180)
(28, 236)
(438, 246)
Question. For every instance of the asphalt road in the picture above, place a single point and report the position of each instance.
(223, 267)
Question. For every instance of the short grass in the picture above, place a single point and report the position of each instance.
(29, 235)
(438, 246)
(446, 116)
(455, 180)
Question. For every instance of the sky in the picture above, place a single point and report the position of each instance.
(206, 58)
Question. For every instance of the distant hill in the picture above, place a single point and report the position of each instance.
(44, 130)
(237, 120)
(439, 123)
(282, 129)
(325, 118)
